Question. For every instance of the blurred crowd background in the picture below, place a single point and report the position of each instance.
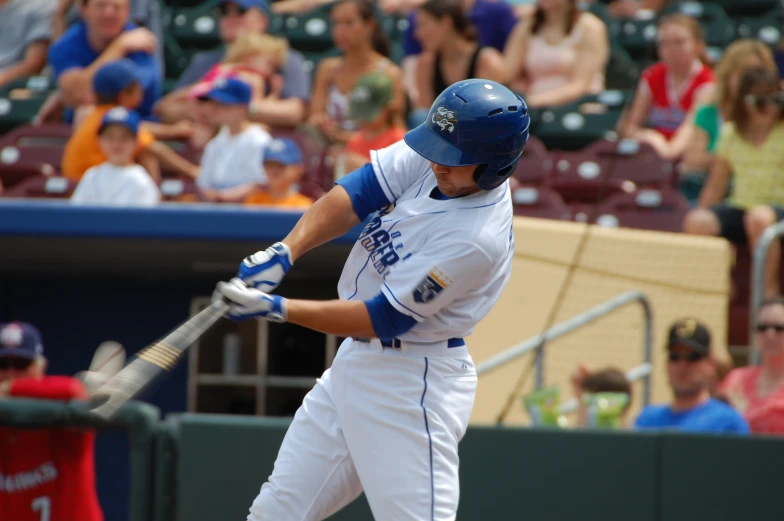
(646, 114)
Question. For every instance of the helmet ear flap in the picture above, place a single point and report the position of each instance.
(480, 169)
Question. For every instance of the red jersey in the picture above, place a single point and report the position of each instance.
(48, 474)
(669, 107)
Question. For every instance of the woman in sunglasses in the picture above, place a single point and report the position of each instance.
(751, 150)
(757, 392)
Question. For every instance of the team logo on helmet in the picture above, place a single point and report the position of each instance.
(445, 119)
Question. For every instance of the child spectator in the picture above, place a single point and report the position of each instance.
(607, 380)
(253, 58)
(669, 91)
(117, 84)
(758, 391)
(750, 150)
(118, 181)
(691, 371)
(372, 106)
(229, 171)
(283, 166)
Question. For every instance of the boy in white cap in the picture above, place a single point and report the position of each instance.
(119, 181)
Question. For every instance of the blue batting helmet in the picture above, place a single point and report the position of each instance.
(475, 122)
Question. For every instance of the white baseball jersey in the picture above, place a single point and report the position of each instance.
(442, 262)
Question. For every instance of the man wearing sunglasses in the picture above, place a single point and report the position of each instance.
(39, 480)
(236, 16)
(691, 370)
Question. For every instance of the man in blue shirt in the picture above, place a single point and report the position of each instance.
(104, 35)
(691, 369)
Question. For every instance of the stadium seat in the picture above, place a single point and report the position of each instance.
(21, 100)
(582, 176)
(648, 209)
(311, 189)
(577, 125)
(29, 150)
(180, 189)
(41, 187)
(536, 163)
(582, 212)
(766, 27)
(637, 37)
(735, 8)
(312, 59)
(622, 73)
(194, 27)
(637, 162)
(309, 32)
(539, 201)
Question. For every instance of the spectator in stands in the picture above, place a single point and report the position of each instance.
(751, 150)
(283, 166)
(238, 16)
(607, 380)
(253, 58)
(364, 49)
(691, 369)
(66, 478)
(757, 391)
(551, 74)
(228, 169)
(662, 113)
(739, 57)
(451, 53)
(371, 105)
(492, 20)
(119, 181)
(25, 33)
(104, 35)
(118, 83)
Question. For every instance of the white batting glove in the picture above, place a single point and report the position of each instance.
(248, 302)
(264, 270)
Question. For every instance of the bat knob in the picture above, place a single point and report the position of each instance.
(98, 399)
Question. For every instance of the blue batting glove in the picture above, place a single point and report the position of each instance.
(264, 270)
(248, 302)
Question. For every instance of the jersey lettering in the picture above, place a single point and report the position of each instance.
(379, 244)
(26, 480)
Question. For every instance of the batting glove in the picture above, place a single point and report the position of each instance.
(248, 302)
(264, 270)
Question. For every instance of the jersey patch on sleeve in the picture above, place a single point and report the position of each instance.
(431, 286)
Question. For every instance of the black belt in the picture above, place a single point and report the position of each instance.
(395, 343)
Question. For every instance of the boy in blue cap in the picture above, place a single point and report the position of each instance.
(284, 168)
(228, 171)
(119, 180)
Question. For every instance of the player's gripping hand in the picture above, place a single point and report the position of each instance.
(246, 302)
(264, 270)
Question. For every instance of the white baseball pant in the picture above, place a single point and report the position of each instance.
(383, 420)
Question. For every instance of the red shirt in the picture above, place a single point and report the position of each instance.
(361, 144)
(764, 414)
(48, 474)
(668, 107)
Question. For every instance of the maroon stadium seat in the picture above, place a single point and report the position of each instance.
(647, 209)
(539, 201)
(637, 162)
(583, 176)
(31, 150)
(180, 189)
(41, 187)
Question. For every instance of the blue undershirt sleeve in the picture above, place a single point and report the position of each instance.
(387, 321)
(366, 193)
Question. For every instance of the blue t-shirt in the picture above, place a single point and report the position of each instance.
(73, 50)
(494, 22)
(712, 416)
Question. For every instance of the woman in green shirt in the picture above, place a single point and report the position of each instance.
(739, 57)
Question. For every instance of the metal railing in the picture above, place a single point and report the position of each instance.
(759, 256)
(538, 342)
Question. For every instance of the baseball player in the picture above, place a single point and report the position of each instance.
(386, 418)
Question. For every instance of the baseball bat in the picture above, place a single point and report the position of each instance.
(152, 363)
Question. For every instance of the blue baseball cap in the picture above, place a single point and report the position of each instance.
(284, 151)
(229, 91)
(20, 340)
(121, 116)
(261, 5)
(115, 76)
